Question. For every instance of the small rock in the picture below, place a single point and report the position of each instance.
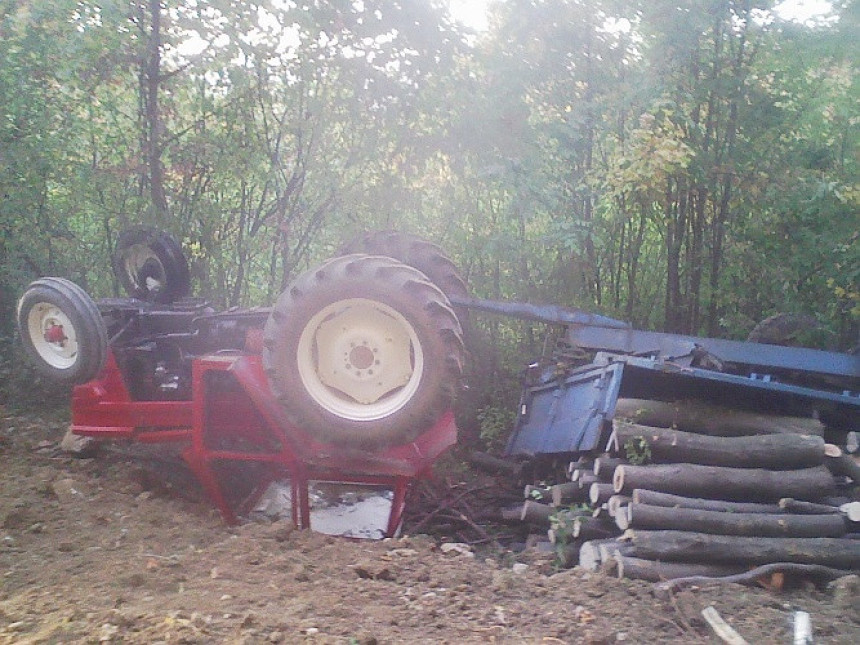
(68, 490)
(372, 571)
(519, 568)
(457, 548)
(77, 445)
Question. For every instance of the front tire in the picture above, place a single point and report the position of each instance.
(363, 351)
(62, 331)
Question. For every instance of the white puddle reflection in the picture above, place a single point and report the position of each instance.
(347, 510)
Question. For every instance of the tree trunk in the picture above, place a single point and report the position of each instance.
(652, 571)
(599, 492)
(152, 115)
(806, 508)
(775, 451)
(682, 546)
(716, 482)
(589, 552)
(535, 513)
(567, 493)
(705, 418)
(591, 528)
(605, 466)
(642, 516)
(616, 504)
(844, 466)
(655, 498)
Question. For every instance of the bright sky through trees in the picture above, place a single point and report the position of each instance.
(473, 13)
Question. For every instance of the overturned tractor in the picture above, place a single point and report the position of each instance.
(350, 377)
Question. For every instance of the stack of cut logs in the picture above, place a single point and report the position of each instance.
(689, 489)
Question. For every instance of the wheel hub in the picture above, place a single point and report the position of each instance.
(363, 352)
(53, 335)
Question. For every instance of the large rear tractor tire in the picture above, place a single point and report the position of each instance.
(62, 331)
(363, 351)
(417, 252)
(150, 266)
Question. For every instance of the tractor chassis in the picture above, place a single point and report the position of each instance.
(232, 419)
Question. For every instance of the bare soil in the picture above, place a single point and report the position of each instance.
(111, 549)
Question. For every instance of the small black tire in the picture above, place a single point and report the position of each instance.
(151, 266)
(62, 331)
(363, 351)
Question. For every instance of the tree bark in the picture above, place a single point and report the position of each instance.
(536, 493)
(569, 492)
(705, 418)
(642, 516)
(604, 467)
(716, 482)
(536, 513)
(775, 451)
(493, 464)
(844, 466)
(807, 570)
(589, 552)
(616, 504)
(653, 571)
(591, 528)
(682, 546)
(806, 508)
(655, 498)
(599, 492)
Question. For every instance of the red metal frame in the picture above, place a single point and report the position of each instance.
(232, 418)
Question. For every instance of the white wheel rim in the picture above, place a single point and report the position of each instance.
(133, 259)
(53, 335)
(360, 359)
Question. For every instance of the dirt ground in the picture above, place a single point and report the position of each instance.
(106, 549)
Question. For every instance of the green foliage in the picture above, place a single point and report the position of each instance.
(637, 450)
(684, 166)
(496, 424)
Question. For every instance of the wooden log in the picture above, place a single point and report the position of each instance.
(512, 513)
(563, 526)
(615, 503)
(593, 528)
(536, 513)
(567, 493)
(585, 481)
(806, 508)
(537, 493)
(589, 552)
(653, 571)
(717, 482)
(851, 510)
(656, 498)
(844, 466)
(493, 464)
(605, 466)
(683, 546)
(600, 492)
(704, 418)
(752, 576)
(582, 465)
(642, 516)
(776, 452)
